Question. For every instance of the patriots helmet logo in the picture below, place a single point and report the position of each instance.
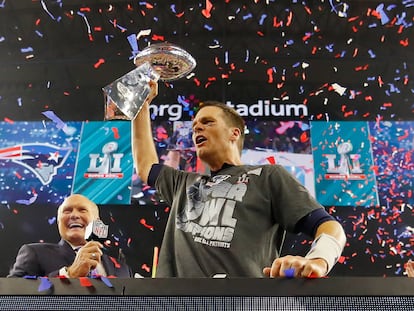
(42, 159)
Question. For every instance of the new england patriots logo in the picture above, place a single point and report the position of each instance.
(42, 159)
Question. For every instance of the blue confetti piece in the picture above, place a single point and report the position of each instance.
(132, 39)
(106, 281)
(26, 50)
(52, 116)
(384, 18)
(262, 19)
(245, 17)
(27, 202)
(304, 126)
(45, 284)
(290, 273)
(182, 100)
(329, 47)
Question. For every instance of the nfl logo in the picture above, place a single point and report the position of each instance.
(100, 229)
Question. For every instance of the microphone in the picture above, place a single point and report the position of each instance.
(96, 231)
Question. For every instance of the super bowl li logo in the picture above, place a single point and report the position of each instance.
(107, 165)
(348, 168)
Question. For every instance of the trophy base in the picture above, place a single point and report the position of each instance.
(112, 112)
(125, 96)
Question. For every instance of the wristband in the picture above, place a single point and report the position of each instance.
(325, 247)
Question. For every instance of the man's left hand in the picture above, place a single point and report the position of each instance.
(296, 266)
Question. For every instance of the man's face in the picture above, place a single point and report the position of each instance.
(211, 135)
(75, 213)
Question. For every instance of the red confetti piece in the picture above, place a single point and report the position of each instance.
(404, 42)
(270, 75)
(197, 82)
(99, 63)
(290, 17)
(116, 132)
(85, 9)
(144, 223)
(304, 137)
(115, 262)
(277, 24)
(380, 82)
(157, 38)
(406, 134)
(313, 275)
(271, 160)
(85, 282)
(207, 11)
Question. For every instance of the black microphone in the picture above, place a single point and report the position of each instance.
(96, 231)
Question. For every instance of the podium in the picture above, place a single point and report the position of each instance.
(339, 293)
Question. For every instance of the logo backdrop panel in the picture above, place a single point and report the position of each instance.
(104, 164)
(343, 160)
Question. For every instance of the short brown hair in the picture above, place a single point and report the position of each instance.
(231, 115)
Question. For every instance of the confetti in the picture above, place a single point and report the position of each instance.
(289, 273)
(45, 284)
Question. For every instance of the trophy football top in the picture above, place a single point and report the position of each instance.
(170, 61)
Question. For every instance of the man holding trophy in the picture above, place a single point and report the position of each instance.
(232, 222)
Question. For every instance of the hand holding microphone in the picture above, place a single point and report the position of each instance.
(89, 256)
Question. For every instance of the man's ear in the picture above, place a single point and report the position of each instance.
(235, 134)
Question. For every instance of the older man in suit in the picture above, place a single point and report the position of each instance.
(73, 256)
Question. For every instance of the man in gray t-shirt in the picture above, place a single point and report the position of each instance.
(232, 222)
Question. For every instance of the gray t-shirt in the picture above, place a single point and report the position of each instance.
(230, 223)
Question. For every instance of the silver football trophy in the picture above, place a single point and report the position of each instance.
(162, 61)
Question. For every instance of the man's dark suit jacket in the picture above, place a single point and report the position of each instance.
(46, 259)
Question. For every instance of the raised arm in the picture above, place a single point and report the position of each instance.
(143, 148)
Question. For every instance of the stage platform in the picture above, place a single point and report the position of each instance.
(340, 293)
